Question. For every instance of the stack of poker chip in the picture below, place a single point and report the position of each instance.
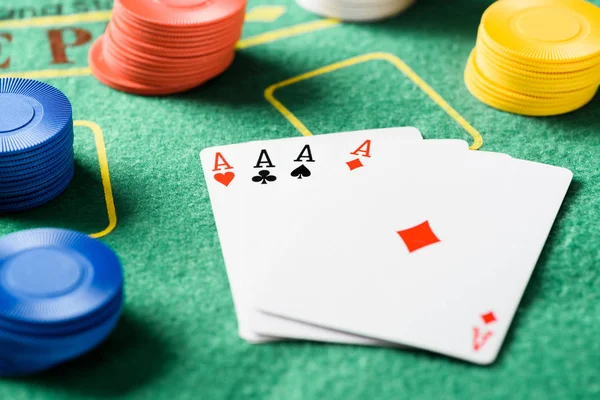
(36, 144)
(61, 294)
(356, 10)
(161, 48)
(536, 57)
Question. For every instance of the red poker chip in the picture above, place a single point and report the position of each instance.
(132, 84)
(163, 74)
(129, 41)
(169, 13)
(193, 80)
(177, 40)
(179, 31)
(129, 54)
(163, 66)
(160, 47)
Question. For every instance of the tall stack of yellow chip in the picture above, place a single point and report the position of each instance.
(536, 57)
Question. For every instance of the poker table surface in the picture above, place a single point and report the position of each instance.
(139, 188)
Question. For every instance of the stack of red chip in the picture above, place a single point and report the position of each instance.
(160, 47)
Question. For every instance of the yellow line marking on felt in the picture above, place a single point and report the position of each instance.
(96, 16)
(104, 172)
(49, 73)
(252, 41)
(398, 63)
(265, 13)
(257, 14)
(290, 31)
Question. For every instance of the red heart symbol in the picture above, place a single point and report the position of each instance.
(225, 178)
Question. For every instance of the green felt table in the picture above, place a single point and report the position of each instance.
(178, 336)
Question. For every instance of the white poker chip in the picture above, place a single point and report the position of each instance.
(356, 10)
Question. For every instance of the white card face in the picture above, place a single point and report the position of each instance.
(228, 172)
(332, 161)
(426, 255)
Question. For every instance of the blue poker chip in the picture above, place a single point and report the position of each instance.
(35, 178)
(33, 115)
(26, 345)
(34, 202)
(63, 270)
(55, 276)
(26, 166)
(64, 177)
(24, 354)
(34, 340)
(40, 155)
(59, 136)
(67, 328)
(35, 162)
(12, 177)
(35, 184)
(9, 179)
(36, 144)
(37, 199)
(41, 190)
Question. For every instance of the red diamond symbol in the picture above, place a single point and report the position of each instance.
(418, 236)
(488, 318)
(354, 164)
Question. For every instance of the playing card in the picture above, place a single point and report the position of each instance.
(425, 254)
(269, 202)
(228, 170)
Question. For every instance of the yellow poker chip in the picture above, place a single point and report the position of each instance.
(523, 107)
(520, 103)
(527, 96)
(589, 75)
(539, 88)
(539, 65)
(581, 67)
(525, 81)
(551, 31)
(529, 102)
(536, 57)
(516, 108)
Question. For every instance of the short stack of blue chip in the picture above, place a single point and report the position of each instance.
(36, 144)
(61, 294)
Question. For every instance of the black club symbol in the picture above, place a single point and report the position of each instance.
(264, 177)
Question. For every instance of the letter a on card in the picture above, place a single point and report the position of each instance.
(308, 156)
(224, 178)
(220, 162)
(364, 149)
(263, 158)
